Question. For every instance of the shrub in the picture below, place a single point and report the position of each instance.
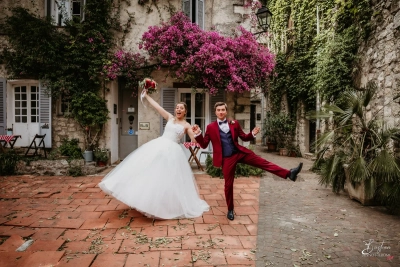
(8, 162)
(241, 170)
(70, 148)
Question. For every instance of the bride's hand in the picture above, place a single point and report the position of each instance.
(144, 93)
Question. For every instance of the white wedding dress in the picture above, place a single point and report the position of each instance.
(156, 179)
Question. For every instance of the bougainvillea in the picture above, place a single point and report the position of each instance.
(203, 59)
(130, 66)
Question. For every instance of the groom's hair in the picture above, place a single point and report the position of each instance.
(220, 104)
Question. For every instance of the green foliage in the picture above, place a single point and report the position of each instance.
(101, 154)
(211, 170)
(334, 63)
(361, 146)
(90, 111)
(242, 170)
(308, 62)
(75, 171)
(70, 148)
(279, 128)
(68, 60)
(8, 162)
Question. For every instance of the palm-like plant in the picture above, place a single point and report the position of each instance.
(361, 144)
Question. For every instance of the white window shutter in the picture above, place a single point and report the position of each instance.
(45, 114)
(168, 98)
(200, 13)
(3, 109)
(187, 8)
(220, 97)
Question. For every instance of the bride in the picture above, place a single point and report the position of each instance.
(156, 178)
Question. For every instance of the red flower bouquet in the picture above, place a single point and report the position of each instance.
(148, 84)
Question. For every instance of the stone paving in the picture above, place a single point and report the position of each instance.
(67, 221)
(304, 223)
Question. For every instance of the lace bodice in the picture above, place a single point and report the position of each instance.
(173, 131)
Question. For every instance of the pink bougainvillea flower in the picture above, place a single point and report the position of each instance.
(204, 59)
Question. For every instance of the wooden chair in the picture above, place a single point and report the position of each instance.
(36, 144)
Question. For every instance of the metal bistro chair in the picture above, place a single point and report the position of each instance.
(209, 152)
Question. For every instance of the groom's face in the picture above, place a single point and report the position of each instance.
(221, 112)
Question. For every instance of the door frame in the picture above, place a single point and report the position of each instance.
(26, 130)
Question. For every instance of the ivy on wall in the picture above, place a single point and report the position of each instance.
(308, 62)
(68, 59)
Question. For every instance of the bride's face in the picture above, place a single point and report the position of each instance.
(180, 111)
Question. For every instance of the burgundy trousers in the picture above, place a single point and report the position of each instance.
(229, 167)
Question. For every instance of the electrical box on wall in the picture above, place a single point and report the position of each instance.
(131, 110)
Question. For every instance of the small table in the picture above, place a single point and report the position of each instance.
(8, 139)
(193, 153)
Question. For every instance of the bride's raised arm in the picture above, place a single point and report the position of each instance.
(166, 115)
(190, 132)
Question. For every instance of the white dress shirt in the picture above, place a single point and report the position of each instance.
(223, 126)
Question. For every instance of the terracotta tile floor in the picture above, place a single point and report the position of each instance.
(72, 223)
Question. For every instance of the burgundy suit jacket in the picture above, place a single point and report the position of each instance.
(212, 134)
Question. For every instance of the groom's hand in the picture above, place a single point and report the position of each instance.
(256, 130)
(196, 129)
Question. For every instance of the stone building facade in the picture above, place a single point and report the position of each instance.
(380, 59)
(220, 15)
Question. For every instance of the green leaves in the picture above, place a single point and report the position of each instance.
(364, 144)
(89, 109)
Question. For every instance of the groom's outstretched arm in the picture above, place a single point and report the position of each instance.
(203, 141)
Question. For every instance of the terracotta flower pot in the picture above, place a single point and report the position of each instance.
(101, 163)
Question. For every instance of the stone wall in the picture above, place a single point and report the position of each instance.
(56, 167)
(64, 126)
(380, 56)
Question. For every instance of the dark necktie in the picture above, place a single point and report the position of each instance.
(221, 122)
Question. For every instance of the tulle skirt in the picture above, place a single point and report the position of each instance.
(156, 179)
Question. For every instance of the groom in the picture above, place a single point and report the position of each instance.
(227, 152)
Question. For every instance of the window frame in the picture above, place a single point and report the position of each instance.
(29, 108)
(191, 7)
(54, 10)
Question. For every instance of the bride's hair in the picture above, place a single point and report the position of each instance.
(184, 105)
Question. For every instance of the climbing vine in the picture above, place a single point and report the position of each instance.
(67, 60)
(309, 61)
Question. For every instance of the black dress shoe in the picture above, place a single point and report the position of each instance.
(293, 172)
(230, 215)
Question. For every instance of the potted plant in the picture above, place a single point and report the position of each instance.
(357, 153)
(101, 156)
(91, 112)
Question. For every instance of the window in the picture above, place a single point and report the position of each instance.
(64, 107)
(194, 9)
(26, 104)
(63, 10)
(197, 108)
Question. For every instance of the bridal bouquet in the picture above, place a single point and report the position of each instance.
(149, 85)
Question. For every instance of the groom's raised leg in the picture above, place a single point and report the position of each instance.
(257, 161)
